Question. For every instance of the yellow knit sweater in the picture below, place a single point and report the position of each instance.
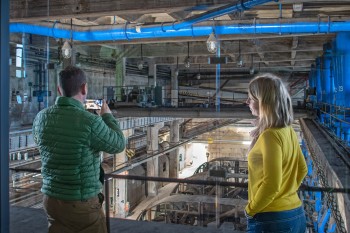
(276, 168)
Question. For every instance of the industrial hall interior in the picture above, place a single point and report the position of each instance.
(175, 75)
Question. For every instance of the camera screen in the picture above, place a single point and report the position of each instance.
(99, 102)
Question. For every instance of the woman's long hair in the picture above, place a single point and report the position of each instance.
(275, 105)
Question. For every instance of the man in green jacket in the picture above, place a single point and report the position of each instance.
(70, 139)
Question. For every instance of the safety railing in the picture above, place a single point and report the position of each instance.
(180, 207)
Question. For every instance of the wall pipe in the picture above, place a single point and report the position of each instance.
(119, 33)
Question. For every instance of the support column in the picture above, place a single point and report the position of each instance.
(152, 72)
(119, 77)
(153, 164)
(174, 139)
(155, 76)
(218, 82)
(174, 87)
(119, 187)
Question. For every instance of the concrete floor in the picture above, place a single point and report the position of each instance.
(29, 220)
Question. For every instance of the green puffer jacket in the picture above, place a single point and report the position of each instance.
(70, 139)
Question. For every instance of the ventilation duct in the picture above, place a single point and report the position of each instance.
(157, 32)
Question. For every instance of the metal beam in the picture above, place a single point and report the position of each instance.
(234, 112)
(96, 8)
(295, 43)
(4, 116)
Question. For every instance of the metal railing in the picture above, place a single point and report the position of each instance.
(218, 183)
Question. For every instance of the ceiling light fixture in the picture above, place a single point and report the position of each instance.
(240, 60)
(212, 43)
(187, 62)
(199, 72)
(140, 63)
(67, 48)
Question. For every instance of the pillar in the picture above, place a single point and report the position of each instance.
(119, 187)
(152, 72)
(119, 77)
(153, 164)
(174, 155)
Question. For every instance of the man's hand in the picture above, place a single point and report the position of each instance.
(104, 108)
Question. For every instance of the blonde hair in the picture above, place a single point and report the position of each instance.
(275, 105)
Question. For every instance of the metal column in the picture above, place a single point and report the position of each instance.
(4, 116)
(218, 83)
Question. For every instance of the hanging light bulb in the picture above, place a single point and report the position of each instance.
(66, 50)
(198, 76)
(187, 62)
(240, 62)
(176, 72)
(212, 43)
(140, 65)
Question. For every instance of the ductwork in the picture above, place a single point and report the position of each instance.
(123, 33)
(120, 33)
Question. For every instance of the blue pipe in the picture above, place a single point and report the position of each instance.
(318, 80)
(342, 43)
(327, 92)
(324, 220)
(241, 6)
(154, 32)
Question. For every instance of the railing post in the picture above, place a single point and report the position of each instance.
(106, 178)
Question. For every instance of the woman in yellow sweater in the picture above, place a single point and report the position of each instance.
(276, 165)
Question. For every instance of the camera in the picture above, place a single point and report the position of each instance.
(93, 104)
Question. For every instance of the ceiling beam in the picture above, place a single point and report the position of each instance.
(131, 17)
(235, 112)
(293, 50)
(38, 10)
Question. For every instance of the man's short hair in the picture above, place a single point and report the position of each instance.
(71, 79)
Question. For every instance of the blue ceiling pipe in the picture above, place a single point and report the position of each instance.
(161, 31)
(122, 33)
